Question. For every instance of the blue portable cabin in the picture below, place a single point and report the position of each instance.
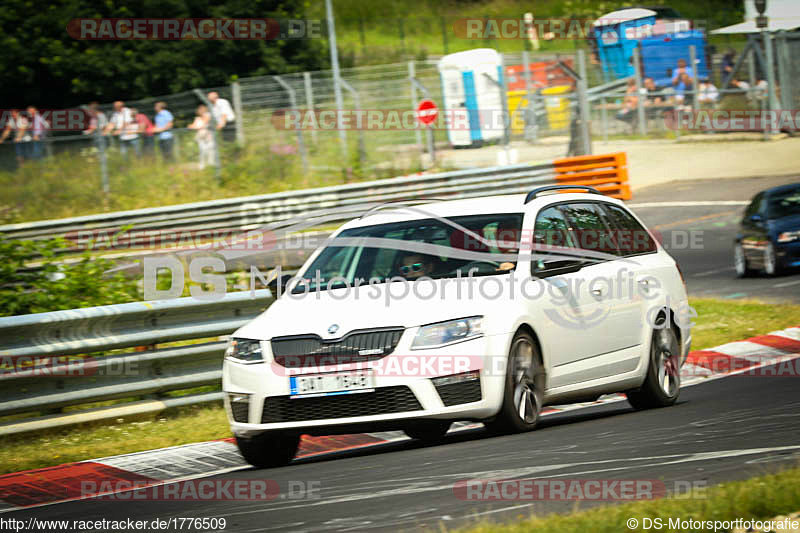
(470, 98)
(617, 34)
(660, 55)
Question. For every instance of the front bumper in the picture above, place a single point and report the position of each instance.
(404, 391)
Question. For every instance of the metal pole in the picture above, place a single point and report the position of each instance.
(428, 132)
(213, 125)
(583, 103)
(412, 75)
(637, 74)
(604, 118)
(337, 88)
(362, 151)
(310, 101)
(301, 146)
(100, 140)
(784, 70)
(693, 92)
(526, 66)
(236, 91)
(772, 103)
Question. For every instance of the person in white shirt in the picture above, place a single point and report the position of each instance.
(223, 115)
(123, 124)
(707, 94)
(203, 136)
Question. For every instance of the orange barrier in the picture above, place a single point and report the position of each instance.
(608, 173)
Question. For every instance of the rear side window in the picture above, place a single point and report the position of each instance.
(630, 236)
(590, 228)
(551, 230)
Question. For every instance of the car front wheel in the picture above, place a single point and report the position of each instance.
(524, 387)
(268, 450)
(743, 270)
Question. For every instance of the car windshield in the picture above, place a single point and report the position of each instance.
(477, 245)
(785, 203)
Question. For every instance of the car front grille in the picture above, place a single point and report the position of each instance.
(298, 351)
(384, 400)
(461, 392)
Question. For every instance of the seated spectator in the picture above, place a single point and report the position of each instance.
(678, 78)
(628, 111)
(684, 91)
(651, 92)
(707, 94)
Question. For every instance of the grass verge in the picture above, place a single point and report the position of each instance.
(762, 497)
(718, 322)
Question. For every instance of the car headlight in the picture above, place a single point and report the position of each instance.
(789, 236)
(442, 333)
(244, 351)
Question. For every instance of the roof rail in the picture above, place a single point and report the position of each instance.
(547, 188)
(402, 202)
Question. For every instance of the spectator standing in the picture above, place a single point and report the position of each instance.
(163, 126)
(145, 128)
(728, 62)
(224, 116)
(203, 135)
(18, 123)
(97, 119)
(38, 130)
(123, 125)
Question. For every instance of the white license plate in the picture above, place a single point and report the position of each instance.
(332, 384)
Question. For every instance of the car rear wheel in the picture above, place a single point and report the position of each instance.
(428, 430)
(268, 450)
(743, 270)
(662, 385)
(524, 388)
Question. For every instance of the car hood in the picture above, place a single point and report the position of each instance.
(316, 312)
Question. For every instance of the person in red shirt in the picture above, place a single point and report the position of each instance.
(146, 128)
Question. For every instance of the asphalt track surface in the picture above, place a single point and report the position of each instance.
(726, 429)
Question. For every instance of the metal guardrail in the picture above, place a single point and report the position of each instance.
(251, 212)
(45, 341)
(37, 375)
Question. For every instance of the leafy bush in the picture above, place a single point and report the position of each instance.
(32, 280)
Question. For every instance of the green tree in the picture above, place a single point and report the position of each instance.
(42, 64)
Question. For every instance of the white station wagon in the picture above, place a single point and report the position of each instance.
(415, 316)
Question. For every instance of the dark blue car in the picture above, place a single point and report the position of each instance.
(769, 234)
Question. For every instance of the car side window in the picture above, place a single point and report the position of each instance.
(590, 228)
(631, 237)
(551, 230)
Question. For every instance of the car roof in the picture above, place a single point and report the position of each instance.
(510, 203)
(781, 189)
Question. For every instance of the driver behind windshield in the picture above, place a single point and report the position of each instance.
(414, 266)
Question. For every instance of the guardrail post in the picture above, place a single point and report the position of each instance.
(301, 147)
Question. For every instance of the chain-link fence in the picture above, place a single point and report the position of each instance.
(279, 117)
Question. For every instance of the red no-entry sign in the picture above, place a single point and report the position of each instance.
(427, 112)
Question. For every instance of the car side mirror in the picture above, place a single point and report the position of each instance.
(278, 285)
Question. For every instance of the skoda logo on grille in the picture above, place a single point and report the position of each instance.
(333, 329)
